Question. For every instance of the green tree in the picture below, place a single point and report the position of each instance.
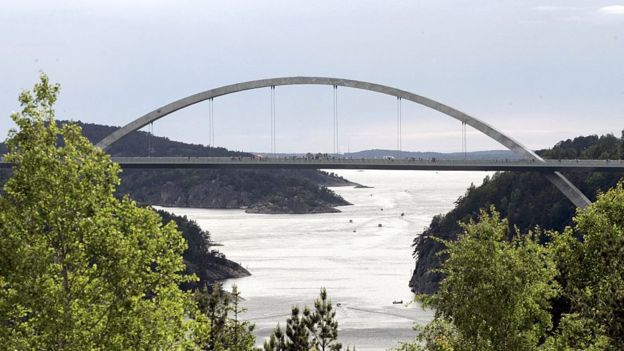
(296, 337)
(308, 330)
(592, 269)
(323, 325)
(222, 309)
(496, 293)
(80, 269)
(576, 332)
(277, 341)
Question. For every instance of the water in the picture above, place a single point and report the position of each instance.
(365, 267)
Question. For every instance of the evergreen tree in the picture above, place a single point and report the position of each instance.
(214, 305)
(227, 332)
(80, 269)
(297, 334)
(276, 341)
(323, 325)
(316, 330)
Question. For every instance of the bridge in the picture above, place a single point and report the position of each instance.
(548, 166)
(295, 162)
(532, 161)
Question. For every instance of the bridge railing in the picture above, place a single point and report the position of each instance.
(337, 161)
(376, 161)
(385, 160)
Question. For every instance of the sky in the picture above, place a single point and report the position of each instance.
(539, 71)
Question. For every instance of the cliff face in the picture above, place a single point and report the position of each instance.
(526, 199)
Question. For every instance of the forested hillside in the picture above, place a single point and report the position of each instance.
(527, 199)
(260, 191)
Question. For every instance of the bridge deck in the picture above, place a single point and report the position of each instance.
(353, 163)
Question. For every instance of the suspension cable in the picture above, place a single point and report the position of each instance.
(399, 124)
(273, 120)
(336, 144)
(464, 140)
(274, 125)
(211, 123)
(334, 119)
(462, 136)
(150, 132)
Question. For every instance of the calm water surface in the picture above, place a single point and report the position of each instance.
(364, 266)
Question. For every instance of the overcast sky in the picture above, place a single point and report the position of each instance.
(540, 71)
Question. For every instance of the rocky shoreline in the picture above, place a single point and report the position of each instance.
(200, 257)
(269, 208)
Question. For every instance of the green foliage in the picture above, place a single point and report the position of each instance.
(308, 330)
(80, 269)
(496, 292)
(578, 333)
(277, 341)
(296, 336)
(322, 324)
(227, 331)
(592, 268)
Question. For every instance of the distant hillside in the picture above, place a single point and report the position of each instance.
(261, 191)
(474, 155)
(527, 199)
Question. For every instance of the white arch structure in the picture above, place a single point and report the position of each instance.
(560, 181)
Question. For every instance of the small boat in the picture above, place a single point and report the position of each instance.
(402, 214)
(397, 302)
(379, 225)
